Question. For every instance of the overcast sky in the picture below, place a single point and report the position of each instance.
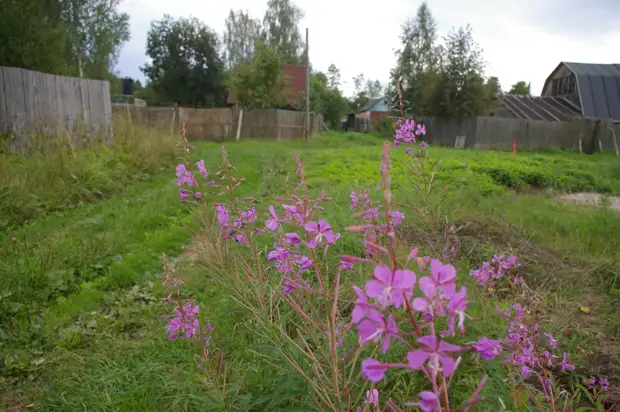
(521, 39)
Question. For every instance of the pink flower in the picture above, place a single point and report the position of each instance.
(373, 370)
(372, 397)
(272, 223)
(565, 365)
(390, 288)
(435, 354)
(376, 328)
(456, 309)
(442, 274)
(293, 239)
(487, 348)
(321, 230)
(361, 308)
(201, 168)
(435, 298)
(292, 215)
(429, 402)
(250, 215)
(222, 214)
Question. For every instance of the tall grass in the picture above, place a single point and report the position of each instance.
(61, 176)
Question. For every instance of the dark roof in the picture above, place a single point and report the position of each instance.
(295, 74)
(370, 104)
(599, 88)
(554, 109)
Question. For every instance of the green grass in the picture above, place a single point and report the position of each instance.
(61, 178)
(79, 301)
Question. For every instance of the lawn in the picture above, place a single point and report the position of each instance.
(80, 299)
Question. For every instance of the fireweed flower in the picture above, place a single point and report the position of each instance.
(184, 324)
(292, 214)
(222, 214)
(321, 231)
(565, 365)
(456, 310)
(434, 354)
(361, 308)
(372, 397)
(250, 215)
(390, 288)
(377, 328)
(429, 402)
(185, 177)
(373, 370)
(201, 168)
(487, 348)
(272, 223)
(292, 239)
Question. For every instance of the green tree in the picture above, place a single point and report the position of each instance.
(521, 88)
(418, 56)
(96, 32)
(281, 30)
(327, 100)
(186, 67)
(259, 84)
(461, 82)
(239, 36)
(33, 36)
(333, 76)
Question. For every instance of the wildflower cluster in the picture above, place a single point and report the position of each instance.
(415, 302)
(183, 323)
(500, 266)
(409, 132)
(390, 294)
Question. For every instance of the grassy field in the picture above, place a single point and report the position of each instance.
(79, 301)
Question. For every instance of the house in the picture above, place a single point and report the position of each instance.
(362, 119)
(375, 109)
(295, 75)
(571, 90)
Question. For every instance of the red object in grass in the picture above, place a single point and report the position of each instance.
(514, 147)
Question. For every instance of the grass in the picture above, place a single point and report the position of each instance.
(62, 178)
(79, 299)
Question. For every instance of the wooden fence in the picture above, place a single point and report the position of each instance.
(40, 104)
(585, 134)
(221, 124)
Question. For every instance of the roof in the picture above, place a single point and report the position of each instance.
(295, 74)
(599, 88)
(549, 108)
(370, 104)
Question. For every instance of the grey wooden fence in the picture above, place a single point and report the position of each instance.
(41, 105)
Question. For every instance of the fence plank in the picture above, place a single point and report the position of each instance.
(40, 103)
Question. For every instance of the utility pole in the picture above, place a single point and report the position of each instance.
(308, 125)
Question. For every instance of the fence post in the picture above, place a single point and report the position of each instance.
(174, 115)
(239, 124)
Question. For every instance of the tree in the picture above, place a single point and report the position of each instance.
(373, 89)
(97, 31)
(333, 76)
(186, 67)
(417, 57)
(32, 36)
(70, 37)
(461, 78)
(239, 36)
(520, 88)
(281, 31)
(364, 90)
(259, 84)
(326, 100)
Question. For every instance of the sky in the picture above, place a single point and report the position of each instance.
(520, 39)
